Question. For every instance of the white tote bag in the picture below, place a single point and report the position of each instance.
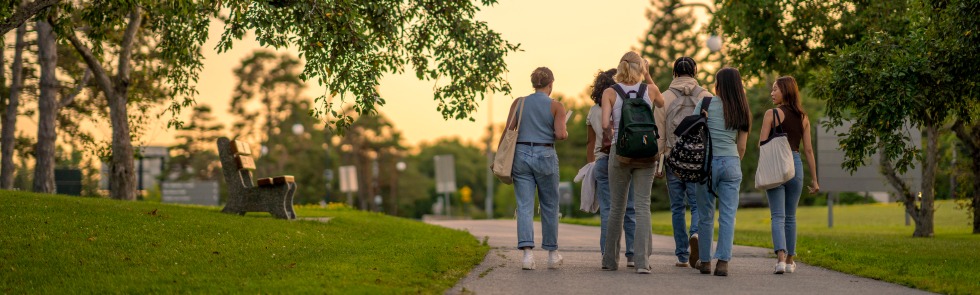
(775, 158)
(503, 161)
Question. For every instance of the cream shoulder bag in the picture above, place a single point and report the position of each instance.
(503, 161)
(775, 158)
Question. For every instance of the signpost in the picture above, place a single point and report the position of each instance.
(348, 182)
(868, 178)
(445, 178)
(190, 192)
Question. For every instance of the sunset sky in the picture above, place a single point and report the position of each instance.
(573, 38)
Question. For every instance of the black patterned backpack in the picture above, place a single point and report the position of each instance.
(690, 159)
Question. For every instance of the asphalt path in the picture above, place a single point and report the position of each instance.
(750, 271)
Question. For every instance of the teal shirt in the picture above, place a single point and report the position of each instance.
(722, 140)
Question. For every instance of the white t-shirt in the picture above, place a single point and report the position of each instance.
(594, 120)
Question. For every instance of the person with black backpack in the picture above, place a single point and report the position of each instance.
(679, 102)
(727, 117)
(630, 132)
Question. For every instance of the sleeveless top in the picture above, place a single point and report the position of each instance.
(792, 124)
(617, 111)
(538, 124)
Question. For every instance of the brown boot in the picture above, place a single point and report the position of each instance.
(705, 267)
(721, 269)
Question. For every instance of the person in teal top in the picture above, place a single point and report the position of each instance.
(729, 121)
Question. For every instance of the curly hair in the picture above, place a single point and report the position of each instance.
(602, 81)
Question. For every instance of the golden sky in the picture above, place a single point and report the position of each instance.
(573, 38)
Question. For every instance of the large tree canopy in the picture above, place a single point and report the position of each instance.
(349, 45)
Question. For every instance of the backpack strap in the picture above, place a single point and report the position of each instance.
(619, 90)
(705, 102)
(642, 91)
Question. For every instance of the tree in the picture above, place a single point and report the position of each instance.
(886, 81)
(970, 137)
(175, 31)
(13, 19)
(267, 85)
(47, 109)
(194, 156)
(795, 37)
(371, 144)
(674, 33)
(349, 45)
(7, 136)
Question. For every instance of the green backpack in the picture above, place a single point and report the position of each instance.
(637, 138)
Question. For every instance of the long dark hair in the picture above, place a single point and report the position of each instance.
(791, 94)
(602, 81)
(728, 85)
(685, 66)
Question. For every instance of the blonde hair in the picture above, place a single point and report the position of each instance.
(630, 70)
(542, 77)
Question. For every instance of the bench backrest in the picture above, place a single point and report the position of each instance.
(236, 162)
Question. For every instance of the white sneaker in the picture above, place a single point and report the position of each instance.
(780, 268)
(645, 270)
(528, 260)
(554, 259)
(790, 268)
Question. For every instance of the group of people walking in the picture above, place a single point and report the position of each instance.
(623, 185)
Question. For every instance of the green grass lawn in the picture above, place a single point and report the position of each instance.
(870, 241)
(58, 244)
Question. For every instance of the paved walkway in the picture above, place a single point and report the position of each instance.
(750, 271)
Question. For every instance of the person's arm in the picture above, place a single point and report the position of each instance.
(740, 143)
(590, 146)
(608, 100)
(660, 118)
(766, 126)
(808, 149)
(652, 90)
(558, 111)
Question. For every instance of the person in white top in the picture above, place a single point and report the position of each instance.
(596, 153)
(632, 71)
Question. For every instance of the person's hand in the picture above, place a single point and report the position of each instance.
(814, 187)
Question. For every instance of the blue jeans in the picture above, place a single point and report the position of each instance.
(601, 172)
(726, 178)
(783, 201)
(681, 195)
(536, 169)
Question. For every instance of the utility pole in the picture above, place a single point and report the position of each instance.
(488, 206)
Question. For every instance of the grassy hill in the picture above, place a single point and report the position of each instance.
(870, 241)
(59, 244)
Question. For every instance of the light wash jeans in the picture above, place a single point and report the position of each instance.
(681, 195)
(783, 201)
(620, 177)
(726, 178)
(536, 169)
(601, 172)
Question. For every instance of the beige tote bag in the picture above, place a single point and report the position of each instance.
(775, 158)
(503, 161)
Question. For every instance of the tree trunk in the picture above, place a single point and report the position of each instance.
(10, 114)
(122, 174)
(47, 110)
(924, 224)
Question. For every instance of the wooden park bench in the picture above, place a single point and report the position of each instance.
(273, 194)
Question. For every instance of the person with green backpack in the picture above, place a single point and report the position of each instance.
(630, 132)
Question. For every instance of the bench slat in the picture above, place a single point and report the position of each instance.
(240, 148)
(265, 181)
(244, 162)
(283, 179)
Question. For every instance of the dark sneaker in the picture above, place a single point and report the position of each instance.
(630, 262)
(721, 269)
(705, 267)
(694, 250)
